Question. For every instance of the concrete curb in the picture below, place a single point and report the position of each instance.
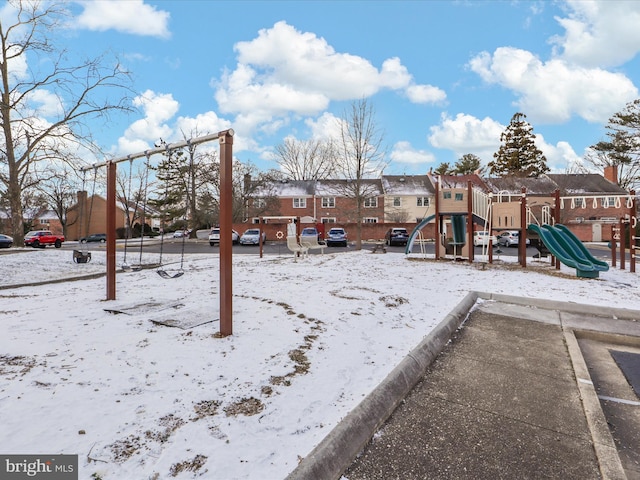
(338, 449)
(333, 455)
(603, 444)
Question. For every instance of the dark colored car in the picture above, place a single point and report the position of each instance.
(5, 241)
(336, 236)
(396, 236)
(94, 237)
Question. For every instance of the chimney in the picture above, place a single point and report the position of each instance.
(611, 173)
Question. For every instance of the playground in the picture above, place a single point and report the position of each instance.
(459, 212)
(135, 398)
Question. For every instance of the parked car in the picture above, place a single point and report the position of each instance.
(510, 238)
(181, 233)
(483, 238)
(42, 238)
(252, 237)
(310, 232)
(214, 236)
(396, 236)
(5, 241)
(336, 236)
(94, 237)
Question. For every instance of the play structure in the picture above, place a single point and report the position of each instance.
(460, 211)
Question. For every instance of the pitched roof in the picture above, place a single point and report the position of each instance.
(462, 181)
(511, 184)
(407, 185)
(584, 183)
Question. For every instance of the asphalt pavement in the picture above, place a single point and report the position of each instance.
(505, 387)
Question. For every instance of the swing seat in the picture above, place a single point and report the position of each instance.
(131, 268)
(81, 257)
(165, 274)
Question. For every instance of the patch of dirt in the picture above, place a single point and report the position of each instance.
(171, 424)
(301, 361)
(206, 408)
(16, 365)
(247, 406)
(188, 465)
(123, 449)
(392, 301)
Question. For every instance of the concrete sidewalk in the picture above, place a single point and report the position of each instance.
(511, 396)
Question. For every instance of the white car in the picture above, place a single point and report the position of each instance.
(483, 238)
(252, 237)
(214, 236)
(510, 238)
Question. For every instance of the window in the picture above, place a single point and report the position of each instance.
(396, 201)
(328, 202)
(371, 202)
(255, 220)
(328, 219)
(579, 202)
(259, 203)
(459, 197)
(608, 202)
(370, 220)
(299, 203)
(422, 201)
(446, 195)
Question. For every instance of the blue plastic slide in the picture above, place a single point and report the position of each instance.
(566, 250)
(415, 232)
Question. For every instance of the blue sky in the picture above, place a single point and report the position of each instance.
(444, 77)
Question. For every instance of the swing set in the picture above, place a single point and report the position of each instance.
(225, 139)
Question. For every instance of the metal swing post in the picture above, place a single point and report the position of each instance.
(111, 230)
(226, 238)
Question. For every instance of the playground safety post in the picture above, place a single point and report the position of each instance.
(622, 235)
(614, 240)
(470, 220)
(632, 231)
(522, 244)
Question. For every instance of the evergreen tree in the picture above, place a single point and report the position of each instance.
(171, 194)
(518, 154)
(467, 165)
(622, 149)
(443, 169)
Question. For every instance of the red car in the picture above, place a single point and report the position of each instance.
(42, 238)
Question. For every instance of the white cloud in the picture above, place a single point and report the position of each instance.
(133, 16)
(599, 32)
(560, 157)
(467, 134)
(284, 72)
(325, 126)
(425, 94)
(45, 104)
(403, 152)
(554, 91)
(157, 110)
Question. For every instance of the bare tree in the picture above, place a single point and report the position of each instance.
(360, 157)
(30, 140)
(59, 190)
(305, 160)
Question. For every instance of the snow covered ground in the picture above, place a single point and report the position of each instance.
(139, 400)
